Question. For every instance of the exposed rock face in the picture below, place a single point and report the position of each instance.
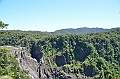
(42, 68)
(62, 59)
(81, 51)
(89, 70)
(25, 61)
(36, 53)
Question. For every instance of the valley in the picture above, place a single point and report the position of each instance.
(43, 55)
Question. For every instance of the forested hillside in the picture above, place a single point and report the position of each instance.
(83, 30)
(95, 55)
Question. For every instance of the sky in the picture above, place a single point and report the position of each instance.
(51, 15)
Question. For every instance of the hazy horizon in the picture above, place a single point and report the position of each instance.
(58, 29)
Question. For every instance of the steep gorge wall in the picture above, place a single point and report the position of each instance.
(36, 69)
(41, 69)
(26, 62)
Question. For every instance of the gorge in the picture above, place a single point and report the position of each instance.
(64, 56)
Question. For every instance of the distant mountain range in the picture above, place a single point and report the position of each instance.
(82, 30)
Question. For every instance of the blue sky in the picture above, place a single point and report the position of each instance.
(51, 15)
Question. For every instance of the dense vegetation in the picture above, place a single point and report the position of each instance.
(21, 38)
(83, 30)
(9, 66)
(96, 54)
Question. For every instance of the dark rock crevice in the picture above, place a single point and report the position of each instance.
(63, 59)
(36, 52)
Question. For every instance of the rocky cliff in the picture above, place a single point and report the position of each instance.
(39, 67)
(26, 62)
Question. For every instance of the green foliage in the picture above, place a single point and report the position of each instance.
(9, 66)
(20, 38)
(95, 53)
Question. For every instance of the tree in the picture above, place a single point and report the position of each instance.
(3, 25)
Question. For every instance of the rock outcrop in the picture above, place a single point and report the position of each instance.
(26, 62)
(38, 67)
(36, 52)
(62, 59)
